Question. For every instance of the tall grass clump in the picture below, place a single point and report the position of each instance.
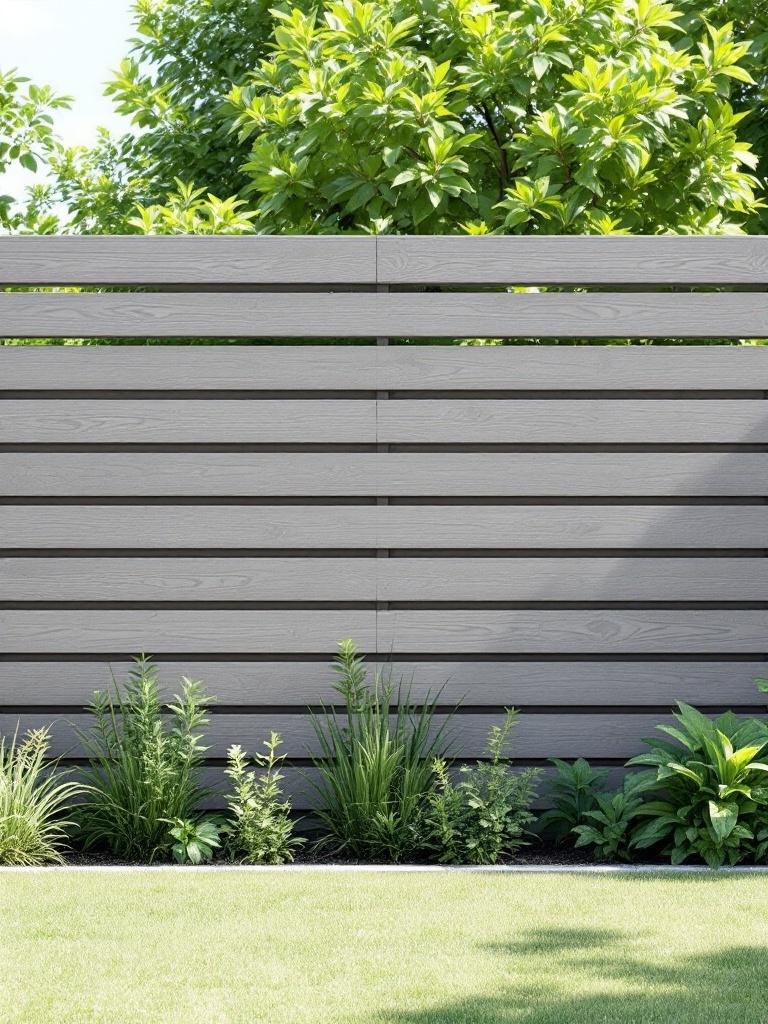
(145, 761)
(375, 763)
(34, 797)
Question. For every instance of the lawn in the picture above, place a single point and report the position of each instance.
(245, 947)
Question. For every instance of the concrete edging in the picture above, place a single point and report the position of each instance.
(499, 869)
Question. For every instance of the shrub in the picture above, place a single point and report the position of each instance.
(195, 841)
(482, 818)
(375, 768)
(709, 795)
(144, 764)
(262, 830)
(33, 796)
(609, 829)
(574, 792)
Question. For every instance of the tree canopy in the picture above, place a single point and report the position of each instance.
(575, 116)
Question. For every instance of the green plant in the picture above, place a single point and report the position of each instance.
(262, 830)
(33, 797)
(574, 792)
(610, 825)
(145, 761)
(482, 818)
(709, 789)
(195, 840)
(375, 763)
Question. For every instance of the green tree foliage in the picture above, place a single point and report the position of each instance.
(185, 58)
(543, 115)
(576, 116)
(26, 138)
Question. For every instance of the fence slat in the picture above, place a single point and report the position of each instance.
(384, 368)
(214, 632)
(199, 421)
(129, 260)
(572, 260)
(267, 527)
(397, 474)
(397, 315)
(537, 736)
(243, 683)
(573, 632)
(392, 579)
(593, 631)
(563, 422)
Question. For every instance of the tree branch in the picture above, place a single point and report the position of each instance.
(503, 165)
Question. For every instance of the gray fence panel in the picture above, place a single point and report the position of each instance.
(579, 531)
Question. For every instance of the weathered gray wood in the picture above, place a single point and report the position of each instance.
(562, 422)
(214, 632)
(402, 632)
(569, 579)
(199, 421)
(571, 260)
(386, 368)
(573, 632)
(385, 526)
(397, 315)
(564, 260)
(188, 579)
(495, 683)
(537, 736)
(236, 474)
(392, 579)
(138, 260)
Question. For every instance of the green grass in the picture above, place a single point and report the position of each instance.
(247, 947)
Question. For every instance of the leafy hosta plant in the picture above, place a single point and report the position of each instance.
(574, 792)
(709, 798)
(145, 762)
(261, 831)
(194, 841)
(610, 824)
(483, 817)
(34, 797)
(375, 763)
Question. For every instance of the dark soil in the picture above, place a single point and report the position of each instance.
(538, 854)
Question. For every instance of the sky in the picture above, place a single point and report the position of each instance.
(71, 45)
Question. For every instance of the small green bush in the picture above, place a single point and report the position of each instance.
(483, 817)
(574, 792)
(33, 798)
(375, 764)
(610, 824)
(195, 841)
(261, 831)
(709, 794)
(145, 761)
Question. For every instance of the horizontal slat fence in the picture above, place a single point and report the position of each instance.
(577, 531)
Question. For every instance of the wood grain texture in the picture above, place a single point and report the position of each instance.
(494, 683)
(188, 579)
(137, 260)
(397, 315)
(537, 736)
(592, 631)
(214, 632)
(572, 422)
(148, 527)
(233, 474)
(571, 260)
(570, 579)
(388, 579)
(389, 259)
(199, 421)
(385, 368)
